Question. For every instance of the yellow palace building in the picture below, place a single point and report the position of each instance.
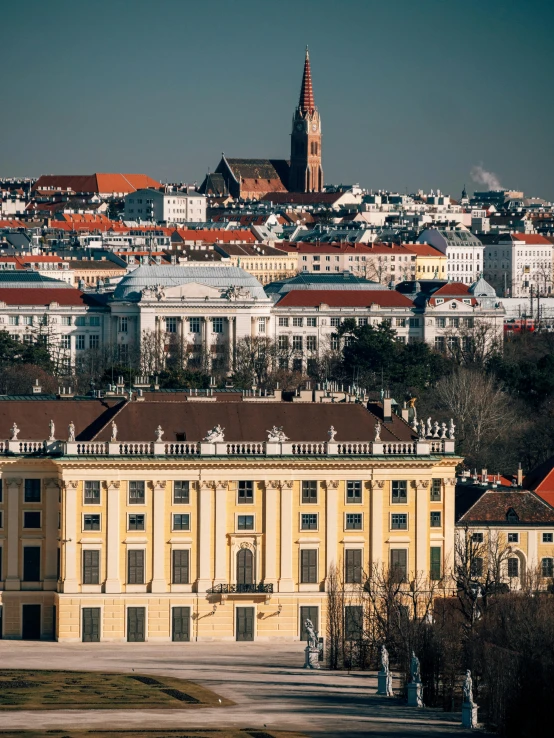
(213, 515)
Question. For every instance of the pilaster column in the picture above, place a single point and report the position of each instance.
(70, 581)
(270, 539)
(220, 574)
(331, 523)
(532, 550)
(286, 582)
(448, 522)
(113, 581)
(204, 581)
(158, 530)
(12, 559)
(421, 490)
(377, 492)
(52, 492)
(181, 338)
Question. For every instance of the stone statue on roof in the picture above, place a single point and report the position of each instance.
(451, 429)
(14, 432)
(377, 431)
(235, 292)
(276, 435)
(331, 433)
(429, 427)
(159, 433)
(52, 427)
(113, 439)
(215, 435)
(71, 432)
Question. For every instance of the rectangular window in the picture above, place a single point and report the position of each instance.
(1, 492)
(261, 325)
(246, 493)
(400, 322)
(399, 521)
(123, 325)
(454, 322)
(65, 342)
(335, 322)
(94, 320)
(91, 566)
(309, 492)
(477, 567)
(136, 493)
(194, 325)
(136, 522)
(311, 322)
(92, 493)
(283, 342)
(94, 341)
(399, 492)
(548, 537)
(181, 521)
(353, 565)
(311, 343)
(80, 342)
(135, 567)
(32, 490)
(435, 560)
(171, 325)
(513, 567)
(31, 563)
(477, 537)
(297, 322)
(399, 564)
(66, 320)
(91, 522)
(353, 622)
(513, 537)
(81, 320)
(14, 320)
(28, 320)
(31, 520)
(436, 519)
(362, 321)
(297, 343)
(217, 325)
(308, 521)
(181, 492)
(245, 522)
(547, 567)
(436, 490)
(180, 567)
(353, 521)
(414, 322)
(308, 566)
(353, 492)
(284, 322)
(441, 322)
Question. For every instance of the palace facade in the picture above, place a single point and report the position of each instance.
(181, 516)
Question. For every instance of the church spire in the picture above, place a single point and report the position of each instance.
(307, 103)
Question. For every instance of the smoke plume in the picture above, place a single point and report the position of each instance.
(482, 177)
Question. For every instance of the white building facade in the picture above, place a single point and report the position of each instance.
(165, 207)
(519, 264)
(463, 250)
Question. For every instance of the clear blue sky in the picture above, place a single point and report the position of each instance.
(411, 94)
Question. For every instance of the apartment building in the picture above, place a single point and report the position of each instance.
(209, 516)
(463, 250)
(162, 206)
(519, 264)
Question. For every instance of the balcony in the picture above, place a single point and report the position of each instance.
(245, 589)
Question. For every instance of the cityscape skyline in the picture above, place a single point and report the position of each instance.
(436, 113)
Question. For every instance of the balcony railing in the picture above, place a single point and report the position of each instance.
(259, 588)
(421, 447)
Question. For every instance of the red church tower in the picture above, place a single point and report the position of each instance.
(306, 173)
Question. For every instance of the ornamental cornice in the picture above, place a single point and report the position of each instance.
(332, 483)
(14, 482)
(71, 483)
(52, 482)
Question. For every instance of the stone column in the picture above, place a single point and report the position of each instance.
(377, 492)
(204, 581)
(113, 581)
(421, 491)
(220, 533)
(52, 492)
(270, 538)
(70, 581)
(286, 582)
(12, 553)
(158, 535)
(331, 523)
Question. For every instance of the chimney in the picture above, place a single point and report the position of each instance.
(387, 406)
(519, 475)
(405, 413)
(484, 476)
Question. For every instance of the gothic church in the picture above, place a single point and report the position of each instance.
(257, 178)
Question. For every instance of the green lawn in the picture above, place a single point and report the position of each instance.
(76, 690)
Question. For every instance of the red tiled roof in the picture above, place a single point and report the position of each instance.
(11, 223)
(531, 239)
(423, 249)
(39, 296)
(453, 288)
(344, 298)
(212, 236)
(493, 507)
(541, 480)
(96, 183)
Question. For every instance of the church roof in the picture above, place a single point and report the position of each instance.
(263, 175)
(307, 102)
(221, 277)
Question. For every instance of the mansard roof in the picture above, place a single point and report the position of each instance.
(497, 507)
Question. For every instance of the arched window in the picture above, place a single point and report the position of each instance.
(245, 567)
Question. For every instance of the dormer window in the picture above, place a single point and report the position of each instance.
(512, 516)
(439, 300)
(467, 302)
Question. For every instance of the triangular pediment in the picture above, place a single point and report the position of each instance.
(192, 291)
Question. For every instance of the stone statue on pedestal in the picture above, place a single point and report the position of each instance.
(215, 434)
(113, 439)
(14, 432)
(469, 708)
(71, 432)
(331, 433)
(312, 647)
(52, 431)
(415, 688)
(159, 433)
(384, 677)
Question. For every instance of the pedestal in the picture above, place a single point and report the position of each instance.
(415, 694)
(384, 683)
(311, 658)
(469, 715)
